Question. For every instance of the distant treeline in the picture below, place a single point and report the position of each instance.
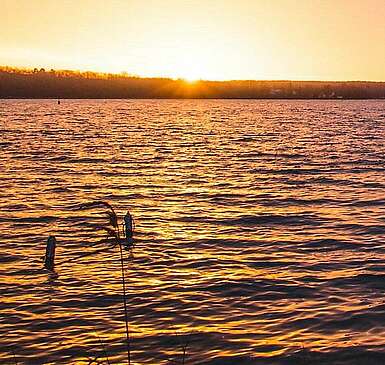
(40, 83)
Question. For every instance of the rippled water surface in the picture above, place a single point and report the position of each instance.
(260, 231)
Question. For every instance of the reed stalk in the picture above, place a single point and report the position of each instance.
(125, 305)
(113, 218)
(113, 231)
(104, 351)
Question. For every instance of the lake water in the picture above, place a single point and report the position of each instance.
(260, 231)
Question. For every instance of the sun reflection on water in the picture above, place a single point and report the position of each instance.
(259, 228)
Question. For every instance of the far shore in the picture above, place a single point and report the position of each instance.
(43, 84)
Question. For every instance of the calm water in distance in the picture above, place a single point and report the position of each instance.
(260, 232)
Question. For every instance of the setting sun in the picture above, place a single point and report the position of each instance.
(190, 80)
(189, 68)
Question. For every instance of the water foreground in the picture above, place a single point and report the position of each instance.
(260, 231)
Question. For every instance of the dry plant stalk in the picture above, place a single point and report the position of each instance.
(113, 232)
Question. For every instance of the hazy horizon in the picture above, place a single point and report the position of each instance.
(125, 74)
(221, 40)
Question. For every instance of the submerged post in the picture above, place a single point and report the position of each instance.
(49, 260)
(129, 228)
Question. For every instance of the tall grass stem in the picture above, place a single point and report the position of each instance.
(125, 305)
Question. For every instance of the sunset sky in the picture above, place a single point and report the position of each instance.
(192, 39)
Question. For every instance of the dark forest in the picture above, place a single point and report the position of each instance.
(39, 83)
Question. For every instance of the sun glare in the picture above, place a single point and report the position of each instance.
(190, 80)
(191, 68)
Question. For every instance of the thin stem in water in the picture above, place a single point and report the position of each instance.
(125, 304)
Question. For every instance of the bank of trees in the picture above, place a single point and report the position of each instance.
(41, 83)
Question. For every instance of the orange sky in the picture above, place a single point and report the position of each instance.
(208, 39)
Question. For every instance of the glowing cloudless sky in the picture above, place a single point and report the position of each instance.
(208, 39)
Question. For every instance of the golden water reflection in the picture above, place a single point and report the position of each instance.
(259, 235)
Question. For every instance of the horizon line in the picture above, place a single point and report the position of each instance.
(126, 74)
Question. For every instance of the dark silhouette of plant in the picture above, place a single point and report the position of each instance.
(184, 342)
(113, 232)
(105, 353)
